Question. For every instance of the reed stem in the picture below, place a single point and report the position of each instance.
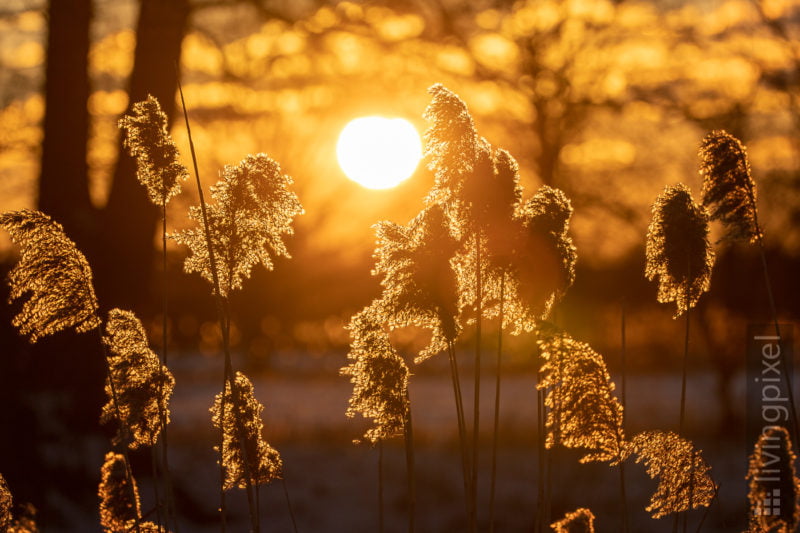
(224, 321)
(496, 429)
(476, 419)
(462, 435)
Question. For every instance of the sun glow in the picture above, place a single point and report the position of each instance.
(378, 152)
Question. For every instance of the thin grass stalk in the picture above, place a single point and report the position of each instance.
(380, 486)
(156, 492)
(288, 503)
(476, 414)
(462, 435)
(540, 429)
(224, 321)
(409, 445)
(774, 311)
(128, 471)
(622, 493)
(170, 495)
(496, 429)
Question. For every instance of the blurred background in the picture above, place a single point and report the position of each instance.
(606, 100)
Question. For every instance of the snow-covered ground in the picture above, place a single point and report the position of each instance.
(333, 483)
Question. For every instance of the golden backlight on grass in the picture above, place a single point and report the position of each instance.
(378, 152)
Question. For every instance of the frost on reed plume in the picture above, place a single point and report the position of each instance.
(147, 140)
(583, 410)
(254, 209)
(772, 480)
(120, 509)
(242, 435)
(418, 280)
(580, 520)
(379, 376)
(142, 384)
(729, 191)
(683, 475)
(54, 275)
(678, 251)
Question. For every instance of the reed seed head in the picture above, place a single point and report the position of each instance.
(119, 501)
(584, 413)
(580, 520)
(243, 429)
(414, 262)
(678, 251)
(451, 142)
(729, 191)
(545, 256)
(147, 140)
(379, 376)
(684, 479)
(254, 208)
(772, 478)
(142, 384)
(52, 273)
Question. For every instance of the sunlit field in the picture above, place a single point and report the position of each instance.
(374, 266)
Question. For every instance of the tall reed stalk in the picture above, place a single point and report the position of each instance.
(462, 435)
(476, 414)
(224, 322)
(496, 429)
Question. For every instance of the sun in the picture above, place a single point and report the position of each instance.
(378, 152)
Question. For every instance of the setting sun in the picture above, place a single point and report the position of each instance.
(378, 152)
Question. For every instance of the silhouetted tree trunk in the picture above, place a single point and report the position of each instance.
(130, 219)
(63, 184)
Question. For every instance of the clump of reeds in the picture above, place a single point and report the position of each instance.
(52, 277)
(580, 520)
(774, 489)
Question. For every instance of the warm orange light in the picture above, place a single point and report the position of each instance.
(378, 152)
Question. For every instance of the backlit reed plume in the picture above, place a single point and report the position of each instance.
(147, 139)
(143, 385)
(545, 256)
(242, 435)
(52, 273)
(584, 413)
(6, 502)
(254, 209)
(684, 480)
(773, 483)
(120, 509)
(451, 145)
(580, 520)
(419, 284)
(379, 376)
(729, 191)
(678, 251)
